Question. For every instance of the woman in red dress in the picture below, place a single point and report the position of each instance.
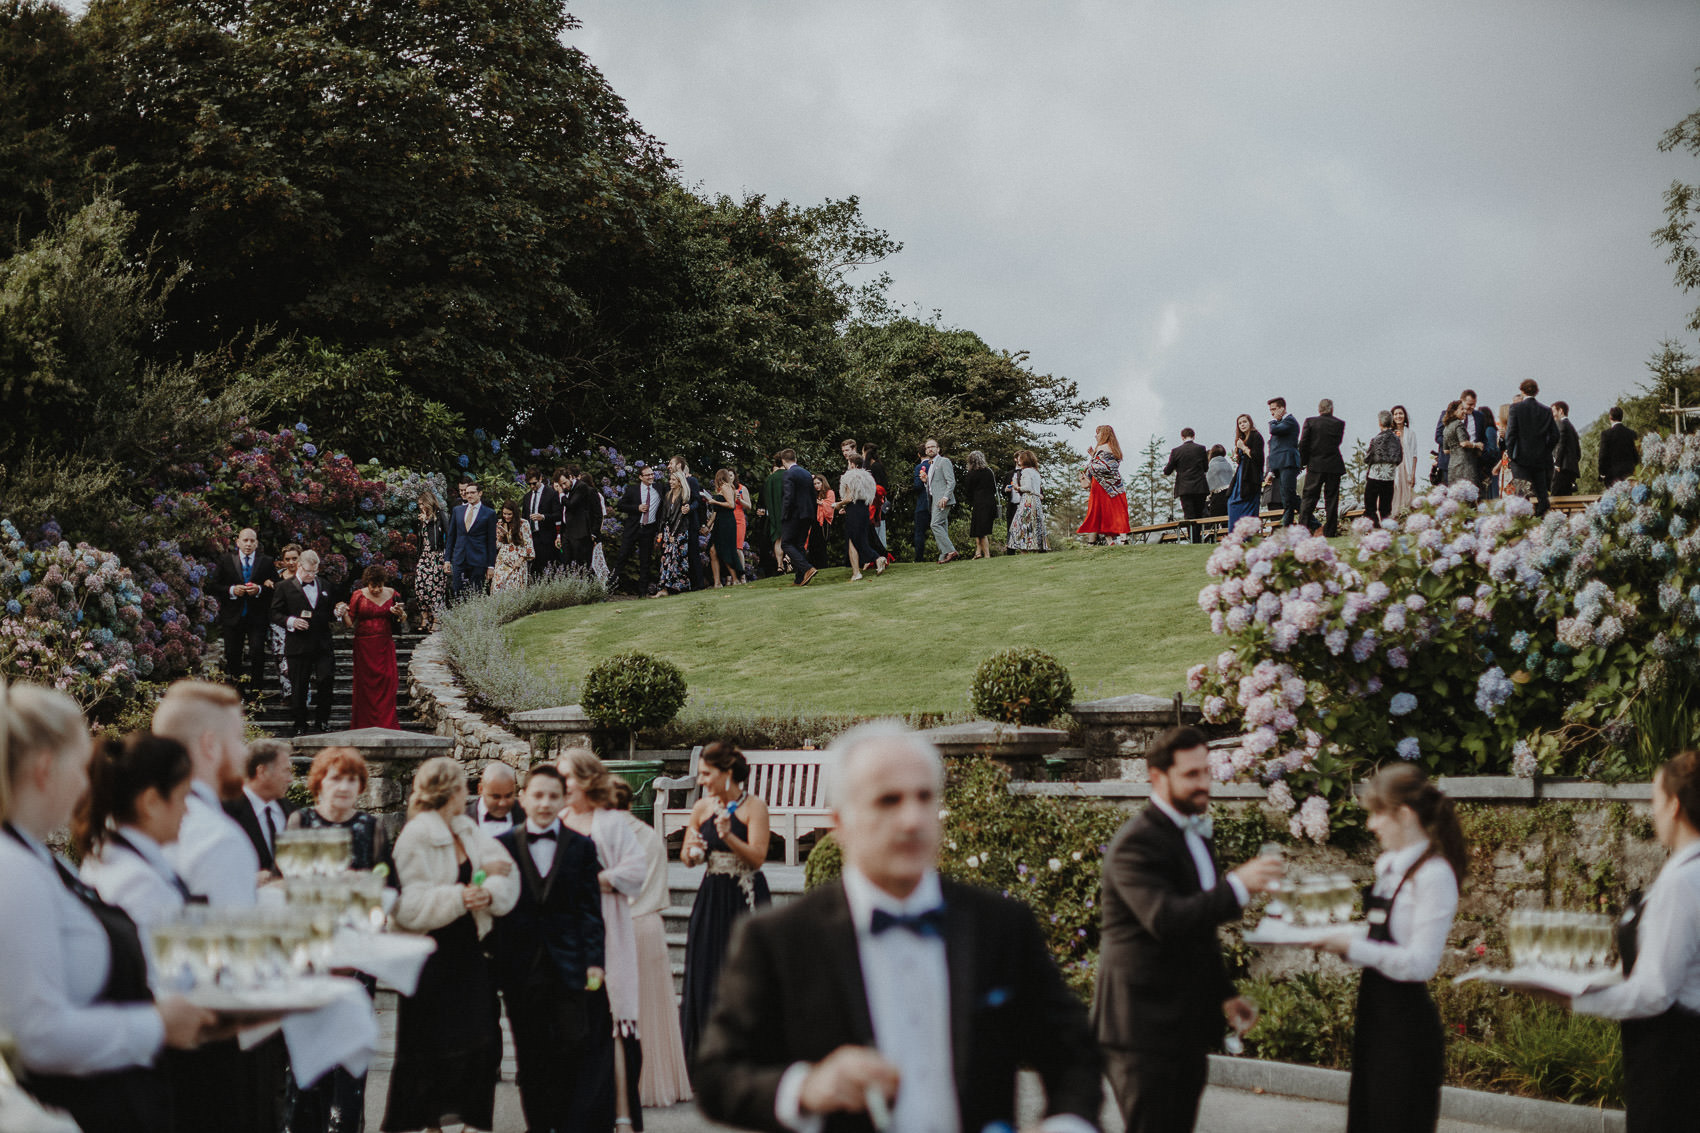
(369, 615)
(1106, 509)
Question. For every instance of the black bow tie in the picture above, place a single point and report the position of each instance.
(551, 834)
(928, 922)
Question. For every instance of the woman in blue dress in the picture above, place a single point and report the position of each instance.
(1246, 493)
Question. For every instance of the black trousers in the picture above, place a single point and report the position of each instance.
(1192, 507)
(923, 524)
(467, 579)
(1217, 504)
(245, 652)
(641, 537)
(1378, 499)
(1157, 1093)
(1328, 488)
(1564, 483)
(1287, 494)
(544, 553)
(1538, 478)
(317, 665)
(793, 533)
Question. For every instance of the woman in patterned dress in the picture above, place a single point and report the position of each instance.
(675, 535)
(513, 549)
(1027, 529)
(431, 574)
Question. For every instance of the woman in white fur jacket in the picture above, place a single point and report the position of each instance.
(455, 880)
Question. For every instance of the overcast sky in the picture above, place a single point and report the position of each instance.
(1188, 206)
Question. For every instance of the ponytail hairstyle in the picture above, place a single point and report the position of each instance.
(1406, 784)
(119, 773)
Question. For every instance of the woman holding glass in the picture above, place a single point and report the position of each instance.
(74, 988)
(1658, 1003)
(1398, 1046)
(455, 879)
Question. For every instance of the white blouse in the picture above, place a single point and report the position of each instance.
(1418, 921)
(1667, 970)
(56, 962)
(140, 883)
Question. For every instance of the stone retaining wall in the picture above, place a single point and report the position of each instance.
(439, 703)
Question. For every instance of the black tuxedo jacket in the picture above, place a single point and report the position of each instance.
(290, 601)
(631, 503)
(1530, 435)
(549, 507)
(798, 502)
(1161, 978)
(1618, 457)
(227, 572)
(515, 816)
(1188, 462)
(1567, 454)
(1319, 445)
(580, 513)
(792, 991)
(243, 812)
(557, 922)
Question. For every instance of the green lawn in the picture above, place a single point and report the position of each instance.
(1123, 619)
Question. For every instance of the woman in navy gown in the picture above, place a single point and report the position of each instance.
(1246, 492)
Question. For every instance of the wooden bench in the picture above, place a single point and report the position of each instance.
(1568, 504)
(789, 782)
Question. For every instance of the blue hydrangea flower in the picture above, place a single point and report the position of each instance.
(24, 577)
(1520, 641)
(463, 460)
(1493, 688)
(1402, 704)
(1409, 748)
(310, 450)
(13, 608)
(380, 517)
(300, 426)
(495, 445)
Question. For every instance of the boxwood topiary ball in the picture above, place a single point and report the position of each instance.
(633, 690)
(1022, 686)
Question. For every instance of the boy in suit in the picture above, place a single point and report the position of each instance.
(306, 607)
(548, 960)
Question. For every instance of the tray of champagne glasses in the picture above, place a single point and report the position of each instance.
(1308, 910)
(1566, 953)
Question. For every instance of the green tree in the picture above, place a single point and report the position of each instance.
(1682, 206)
(1150, 494)
(1672, 374)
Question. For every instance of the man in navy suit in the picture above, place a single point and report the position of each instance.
(470, 550)
(1479, 427)
(796, 510)
(1284, 458)
(243, 581)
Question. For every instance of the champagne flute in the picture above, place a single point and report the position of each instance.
(1277, 909)
(1344, 904)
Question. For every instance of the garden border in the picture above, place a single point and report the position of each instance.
(440, 702)
(1462, 788)
(1505, 1111)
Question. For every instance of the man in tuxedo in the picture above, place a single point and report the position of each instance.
(1567, 453)
(1480, 427)
(1283, 463)
(581, 516)
(796, 510)
(1618, 455)
(1319, 455)
(1188, 462)
(493, 809)
(1163, 998)
(242, 581)
(923, 504)
(543, 515)
(941, 488)
(470, 550)
(545, 953)
(640, 510)
(306, 607)
(260, 809)
(1530, 437)
(893, 982)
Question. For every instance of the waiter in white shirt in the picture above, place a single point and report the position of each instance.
(1659, 1001)
(640, 512)
(895, 998)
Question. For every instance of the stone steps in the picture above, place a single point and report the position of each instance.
(272, 714)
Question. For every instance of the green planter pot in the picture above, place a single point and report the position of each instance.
(640, 776)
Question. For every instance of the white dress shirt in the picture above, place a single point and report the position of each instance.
(1200, 852)
(1667, 967)
(212, 854)
(261, 808)
(492, 825)
(56, 960)
(138, 880)
(1418, 921)
(543, 849)
(650, 500)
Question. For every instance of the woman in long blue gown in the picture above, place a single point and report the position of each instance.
(1246, 493)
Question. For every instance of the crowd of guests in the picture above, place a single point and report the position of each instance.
(1528, 449)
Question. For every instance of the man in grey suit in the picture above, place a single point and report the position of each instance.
(941, 488)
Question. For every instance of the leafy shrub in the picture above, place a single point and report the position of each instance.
(632, 691)
(1545, 1051)
(495, 675)
(1022, 686)
(1305, 1018)
(825, 862)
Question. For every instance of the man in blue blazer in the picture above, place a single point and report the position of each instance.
(1284, 458)
(470, 550)
(796, 509)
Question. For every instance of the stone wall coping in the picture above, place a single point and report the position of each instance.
(1473, 788)
(376, 743)
(567, 718)
(1134, 708)
(1005, 740)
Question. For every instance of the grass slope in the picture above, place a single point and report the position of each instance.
(1123, 619)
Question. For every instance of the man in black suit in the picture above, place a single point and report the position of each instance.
(796, 510)
(545, 953)
(1567, 453)
(1188, 462)
(243, 580)
(307, 607)
(542, 507)
(581, 517)
(261, 810)
(1618, 456)
(1530, 437)
(1163, 998)
(927, 992)
(1319, 456)
(498, 791)
(640, 511)
(470, 551)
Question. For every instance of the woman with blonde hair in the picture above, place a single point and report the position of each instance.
(74, 988)
(1106, 506)
(590, 811)
(723, 543)
(455, 879)
(676, 532)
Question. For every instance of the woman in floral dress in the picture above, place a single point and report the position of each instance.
(1027, 529)
(513, 549)
(431, 574)
(675, 535)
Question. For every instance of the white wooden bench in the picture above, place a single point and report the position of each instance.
(789, 782)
